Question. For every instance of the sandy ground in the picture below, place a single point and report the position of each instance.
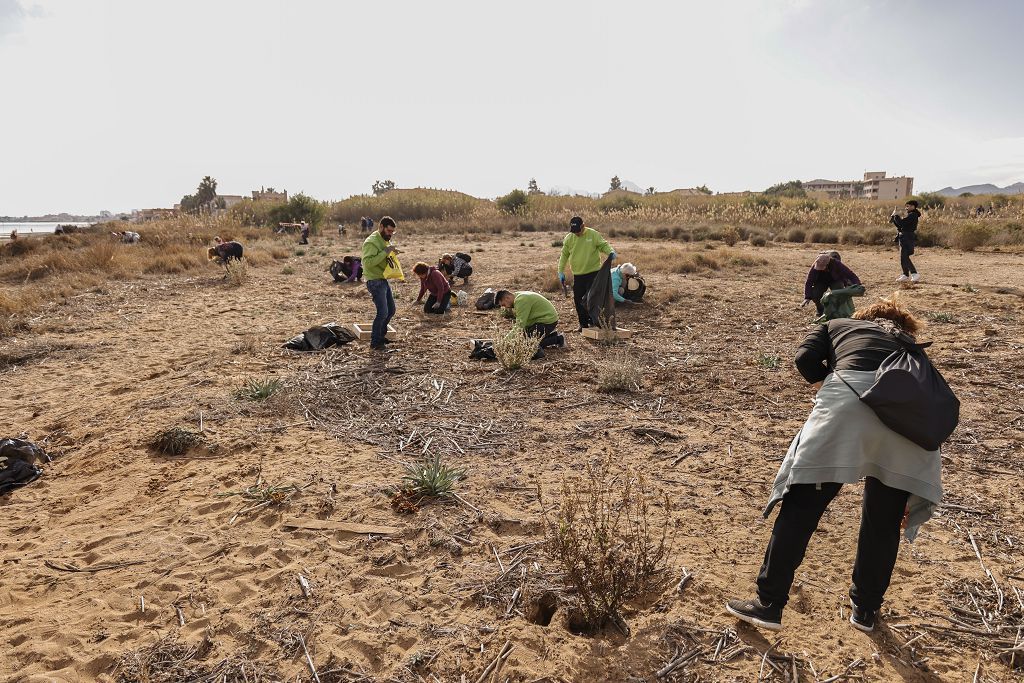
(428, 602)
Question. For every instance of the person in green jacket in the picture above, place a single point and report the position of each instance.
(535, 316)
(582, 249)
(377, 249)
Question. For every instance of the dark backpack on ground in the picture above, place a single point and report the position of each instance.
(14, 473)
(321, 337)
(338, 271)
(911, 397)
(635, 294)
(486, 301)
(482, 350)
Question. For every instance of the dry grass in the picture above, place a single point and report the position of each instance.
(237, 272)
(175, 441)
(619, 371)
(607, 543)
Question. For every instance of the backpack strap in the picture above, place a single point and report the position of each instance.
(836, 373)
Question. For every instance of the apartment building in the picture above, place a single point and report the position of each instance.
(875, 185)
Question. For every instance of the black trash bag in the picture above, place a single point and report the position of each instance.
(486, 301)
(19, 449)
(338, 271)
(912, 398)
(15, 473)
(321, 337)
(599, 301)
(482, 350)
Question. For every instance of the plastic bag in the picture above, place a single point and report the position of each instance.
(393, 269)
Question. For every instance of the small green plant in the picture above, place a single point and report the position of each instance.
(237, 272)
(515, 349)
(970, 289)
(175, 441)
(300, 252)
(769, 361)
(431, 478)
(287, 270)
(259, 389)
(941, 317)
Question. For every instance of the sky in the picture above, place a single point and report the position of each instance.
(122, 104)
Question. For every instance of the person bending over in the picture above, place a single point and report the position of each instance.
(434, 282)
(581, 250)
(535, 316)
(620, 282)
(828, 272)
(842, 442)
(456, 265)
(223, 251)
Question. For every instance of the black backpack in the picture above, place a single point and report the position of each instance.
(912, 398)
(486, 301)
(465, 257)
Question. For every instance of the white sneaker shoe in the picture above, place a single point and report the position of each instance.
(914, 277)
(902, 278)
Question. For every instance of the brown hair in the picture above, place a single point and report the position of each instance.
(420, 268)
(891, 309)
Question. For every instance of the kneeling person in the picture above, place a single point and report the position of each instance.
(431, 280)
(456, 265)
(535, 316)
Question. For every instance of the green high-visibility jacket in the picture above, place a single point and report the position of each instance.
(375, 256)
(583, 252)
(532, 308)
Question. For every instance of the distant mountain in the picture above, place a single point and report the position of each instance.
(632, 187)
(987, 188)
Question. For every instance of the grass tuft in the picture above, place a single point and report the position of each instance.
(514, 349)
(259, 389)
(431, 478)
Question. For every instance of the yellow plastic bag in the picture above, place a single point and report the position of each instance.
(393, 269)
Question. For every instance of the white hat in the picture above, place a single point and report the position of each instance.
(629, 269)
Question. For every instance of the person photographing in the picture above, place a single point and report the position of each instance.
(582, 250)
(906, 237)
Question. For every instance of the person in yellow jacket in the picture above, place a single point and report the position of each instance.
(582, 249)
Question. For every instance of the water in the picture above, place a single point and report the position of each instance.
(33, 228)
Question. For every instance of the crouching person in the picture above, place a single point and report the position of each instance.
(434, 282)
(456, 265)
(225, 251)
(535, 316)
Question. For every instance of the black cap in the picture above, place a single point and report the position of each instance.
(576, 224)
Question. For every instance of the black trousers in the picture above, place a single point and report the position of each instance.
(906, 251)
(818, 290)
(580, 286)
(881, 513)
(546, 332)
(435, 306)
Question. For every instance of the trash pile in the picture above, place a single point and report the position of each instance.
(18, 460)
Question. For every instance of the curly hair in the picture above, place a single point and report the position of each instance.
(893, 310)
(421, 268)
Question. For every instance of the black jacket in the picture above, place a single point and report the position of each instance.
(844, 344)
(908, 225)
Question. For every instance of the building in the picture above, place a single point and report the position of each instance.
(269, 195)
(229, 199)
(874, 186)
(146, 215)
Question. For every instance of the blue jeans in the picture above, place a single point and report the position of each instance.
(384, 301)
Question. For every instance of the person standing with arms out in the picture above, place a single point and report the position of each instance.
(582, 249)
(377, 249)
(906, 237)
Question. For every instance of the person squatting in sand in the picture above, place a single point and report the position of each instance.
(434, 282)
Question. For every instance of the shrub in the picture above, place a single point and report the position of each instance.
(796, 235)
(607, 542)
(878, 236)
(558, 243)
(696, 262)
(431, 478)
(175, 441)
(851, 236)
(758, 241)
(515, 349)
(761, 203)
(514, 203)
(793, 188)
(970, 236)
(618, 201)
(769, 361)
(238, 272)
(731, 236)
(259, 389)
(823, 236)
(299, 208)
(619, 371)
(287, 270)
(930, 200)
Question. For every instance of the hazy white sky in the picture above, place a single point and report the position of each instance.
(120, 104)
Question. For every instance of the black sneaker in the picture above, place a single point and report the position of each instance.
(863, 619)
(385, 340)
(756, 614)
(377, 347)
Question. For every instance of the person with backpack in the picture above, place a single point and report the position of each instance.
(582, 250)
(456, 265)
(906, 237)
(844, 440)
(535, 316)
(377, 250)
(434, 282)
(828, 274)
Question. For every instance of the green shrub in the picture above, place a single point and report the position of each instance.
(970, 236)
(878, 236)
(431, 478)
(259, 389)
(618, 201)
(793, 188)
(299, 208)
(823, 236)
(850, 236)
(761, 203)
(796, 235)
(514, 203)
(930, 200)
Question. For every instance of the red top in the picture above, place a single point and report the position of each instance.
(435, 283)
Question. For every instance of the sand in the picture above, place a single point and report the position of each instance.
(158, 543)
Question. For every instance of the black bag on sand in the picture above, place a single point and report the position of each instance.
(486, 301)
(19, 449)
(912, 398)
(17, 473)
(482, 350)
(321, 337)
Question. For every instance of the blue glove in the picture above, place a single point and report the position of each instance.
(561, 278)
(613, 256)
